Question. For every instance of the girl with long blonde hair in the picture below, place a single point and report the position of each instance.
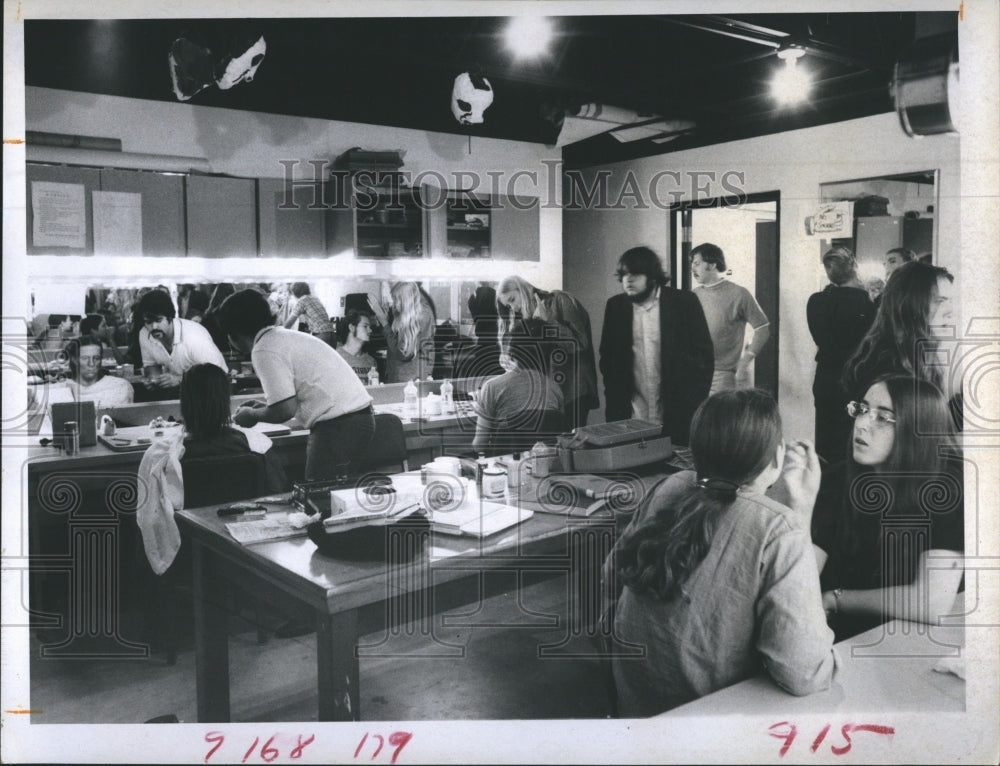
(409, 332)
(573, 362)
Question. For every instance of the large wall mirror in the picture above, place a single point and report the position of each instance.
(897, 211)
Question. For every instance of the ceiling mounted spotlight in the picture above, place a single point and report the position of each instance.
(925, 86)
(529, 36)
(791, 82)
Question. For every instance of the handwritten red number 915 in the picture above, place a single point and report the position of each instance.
(787, 731)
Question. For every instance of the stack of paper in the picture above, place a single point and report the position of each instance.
(479, 519)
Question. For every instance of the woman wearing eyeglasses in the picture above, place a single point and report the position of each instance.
(890, 519)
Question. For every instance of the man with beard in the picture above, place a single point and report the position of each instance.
(174, 343)
(656, 352)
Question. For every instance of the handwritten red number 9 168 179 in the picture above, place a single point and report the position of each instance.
(787, 731)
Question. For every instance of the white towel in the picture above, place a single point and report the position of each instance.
(257, 441)
(161, 492)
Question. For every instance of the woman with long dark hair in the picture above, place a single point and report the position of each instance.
(891, 518)
(720, 581)
(901, 340)
(208, 425)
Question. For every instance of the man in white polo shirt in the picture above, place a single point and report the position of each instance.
(728, 308)
(302, 377)
(176, 344)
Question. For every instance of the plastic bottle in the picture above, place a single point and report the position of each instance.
(514, 479)
(410, 400)
(447, 398)
(373, 375)
(480, 469)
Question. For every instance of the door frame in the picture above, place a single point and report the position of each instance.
(680, 249)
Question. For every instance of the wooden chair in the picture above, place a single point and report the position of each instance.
(207, 481)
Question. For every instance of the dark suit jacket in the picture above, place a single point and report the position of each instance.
(687, 359)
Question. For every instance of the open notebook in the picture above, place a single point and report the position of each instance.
(479, 519)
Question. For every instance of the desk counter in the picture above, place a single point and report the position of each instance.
(886, 669)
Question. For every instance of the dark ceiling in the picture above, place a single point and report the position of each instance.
(399, 71)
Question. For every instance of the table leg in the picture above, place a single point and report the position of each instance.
(211, 637)
(337, 667)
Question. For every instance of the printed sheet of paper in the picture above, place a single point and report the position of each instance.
(117, 223)
(60, 214)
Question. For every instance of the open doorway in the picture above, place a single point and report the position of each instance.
(746, 228)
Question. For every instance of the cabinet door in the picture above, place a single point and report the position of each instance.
(89, 178)
(221, 217)
(515, 232)
(163, 224)
(918, 235)
(291, 219)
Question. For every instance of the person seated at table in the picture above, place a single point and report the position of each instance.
(87, 380)
(173, 343)
(720, 581)
(304, 378)
(482, 358)
(352, 335)
(513, 404)
(205, 410)
(890, 518)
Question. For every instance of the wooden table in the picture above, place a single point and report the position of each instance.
(888, 668)
(345, 600)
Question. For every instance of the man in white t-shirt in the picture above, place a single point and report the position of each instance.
(728, 308)
(304, 378)
(176, 344)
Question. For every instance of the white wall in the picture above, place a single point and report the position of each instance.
(253, 144)
(794, 163)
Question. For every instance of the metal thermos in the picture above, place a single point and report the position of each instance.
(72, 443)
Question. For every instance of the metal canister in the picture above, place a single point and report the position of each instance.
(72, 442)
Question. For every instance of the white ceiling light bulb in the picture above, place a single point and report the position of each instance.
(791, 83)
(529, 36)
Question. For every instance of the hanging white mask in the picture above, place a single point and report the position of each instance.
(242, 68)
(468, 102)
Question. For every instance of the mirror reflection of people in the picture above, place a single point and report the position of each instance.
(97, 324)
(656, 352)
(728, 308)
(87, 379)
(310, 309)
(353, 333)
(206, 412)
(304, 378)
(838, 317)
(407, 319)
(174, 343)
(890, 518)
(519, 299)
(718, 581)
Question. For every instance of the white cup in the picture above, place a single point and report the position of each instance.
(450, 465)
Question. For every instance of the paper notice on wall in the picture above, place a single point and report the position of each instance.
(59, 215)
(830, 220)
(117, 223)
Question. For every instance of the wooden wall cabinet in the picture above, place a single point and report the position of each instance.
(486, 226)
(291, 219)
(221, 217)
(375, 223)
(163, 220)
(90, 178)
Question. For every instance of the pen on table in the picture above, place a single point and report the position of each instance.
(404, 509)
